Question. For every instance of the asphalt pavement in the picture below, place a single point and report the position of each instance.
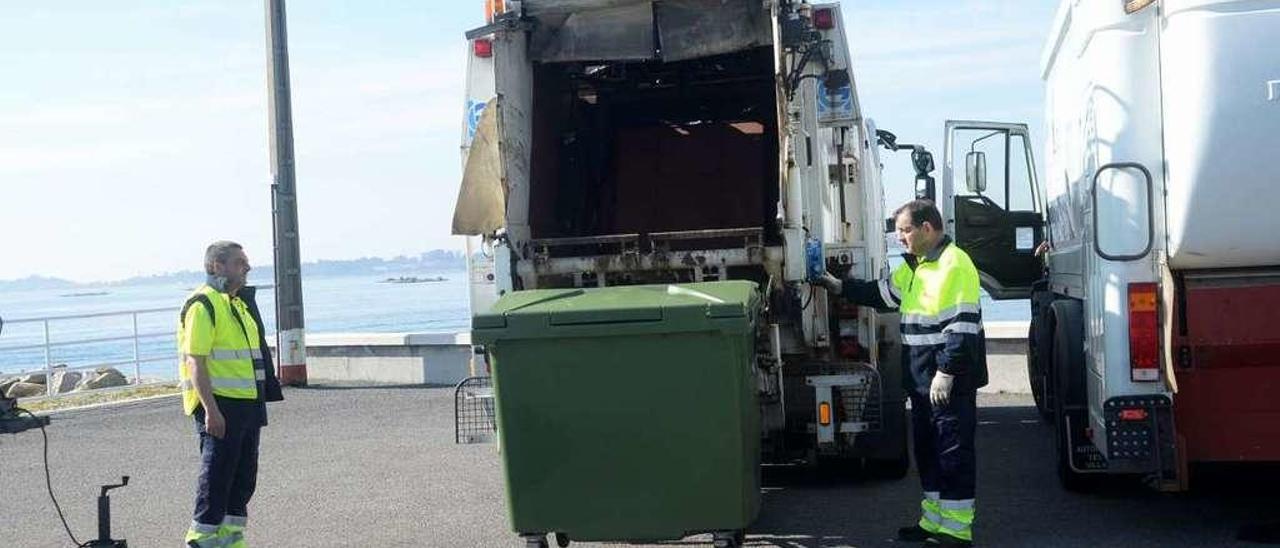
(377, 466)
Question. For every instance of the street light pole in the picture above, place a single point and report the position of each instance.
(290, 333)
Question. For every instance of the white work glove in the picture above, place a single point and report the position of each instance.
(940, 389)
(831, 283)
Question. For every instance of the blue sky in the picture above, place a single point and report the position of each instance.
(134, 132)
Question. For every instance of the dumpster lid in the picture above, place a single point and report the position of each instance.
(621, 304)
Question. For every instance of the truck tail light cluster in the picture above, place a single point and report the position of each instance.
(482, 47)
(1144, 333)
(824, 19)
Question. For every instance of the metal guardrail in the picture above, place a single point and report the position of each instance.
(48, 344)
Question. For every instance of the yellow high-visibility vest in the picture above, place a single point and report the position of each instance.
(228, 337)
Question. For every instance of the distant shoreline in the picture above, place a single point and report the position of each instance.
(86, 294)
(413, 280)
(431, 261)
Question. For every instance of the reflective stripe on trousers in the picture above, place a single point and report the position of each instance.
(203, 535)
(229, 535)
(930, 513)
(232, 531)
(957, 518)
(218, 542)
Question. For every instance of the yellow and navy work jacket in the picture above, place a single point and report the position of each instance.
(937, 297)
(229, 336)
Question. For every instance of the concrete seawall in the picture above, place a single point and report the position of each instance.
(1007, 358)
(393, 358)
(446, 358)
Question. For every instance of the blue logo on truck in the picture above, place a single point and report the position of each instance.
(474, 110)
(836, 104)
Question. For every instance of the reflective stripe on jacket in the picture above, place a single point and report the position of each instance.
(231, 337)
(941, 319)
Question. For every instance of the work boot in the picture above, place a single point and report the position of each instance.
(943, 540)
(914, 533)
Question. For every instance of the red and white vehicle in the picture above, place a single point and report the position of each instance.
(1153, 337)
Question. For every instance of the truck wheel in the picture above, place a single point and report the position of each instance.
(1039, 349)
(1067, 374)
(893, 464)
(889, 469)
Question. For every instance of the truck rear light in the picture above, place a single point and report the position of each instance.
(483, 47)
(1133, 414)
(824, 414)
(1144, 333)
(848, 348)
(824, 19)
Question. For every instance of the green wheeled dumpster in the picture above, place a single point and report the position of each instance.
(627, 413)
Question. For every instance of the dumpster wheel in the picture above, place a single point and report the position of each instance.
(562, 540)
(729, 539)
(535, 541)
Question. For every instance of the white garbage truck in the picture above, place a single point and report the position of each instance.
(1148, 246)
(623, 142)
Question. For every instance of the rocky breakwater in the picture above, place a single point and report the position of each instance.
(63, 381)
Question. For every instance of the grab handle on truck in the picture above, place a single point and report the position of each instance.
(1151, 232)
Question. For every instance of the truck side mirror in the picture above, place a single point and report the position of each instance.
(975, 171)
(922, 160)
(925, 188)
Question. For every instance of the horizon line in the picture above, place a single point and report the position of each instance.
(54, 278)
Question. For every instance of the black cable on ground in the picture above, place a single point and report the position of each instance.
(48, 482)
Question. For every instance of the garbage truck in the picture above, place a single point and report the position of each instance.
(1146, 248)
(637, 172)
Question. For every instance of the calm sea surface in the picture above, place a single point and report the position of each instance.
(333, 304)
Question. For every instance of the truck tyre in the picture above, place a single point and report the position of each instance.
(1068, 376)
(888, 469)
(891, 458)
(1040, 334)
(892, 462)
(1039, 349)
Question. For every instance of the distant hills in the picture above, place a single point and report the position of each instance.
(429, 262)
(36, 282)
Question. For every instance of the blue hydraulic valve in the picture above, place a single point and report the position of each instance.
(814, 261)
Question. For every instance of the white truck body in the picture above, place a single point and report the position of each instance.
(712, 157)
(1217, 169)
(1160, 119)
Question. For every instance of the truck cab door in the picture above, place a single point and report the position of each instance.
(992, 205)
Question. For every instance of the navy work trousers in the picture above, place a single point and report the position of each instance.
(228, 470)
(944, 445)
